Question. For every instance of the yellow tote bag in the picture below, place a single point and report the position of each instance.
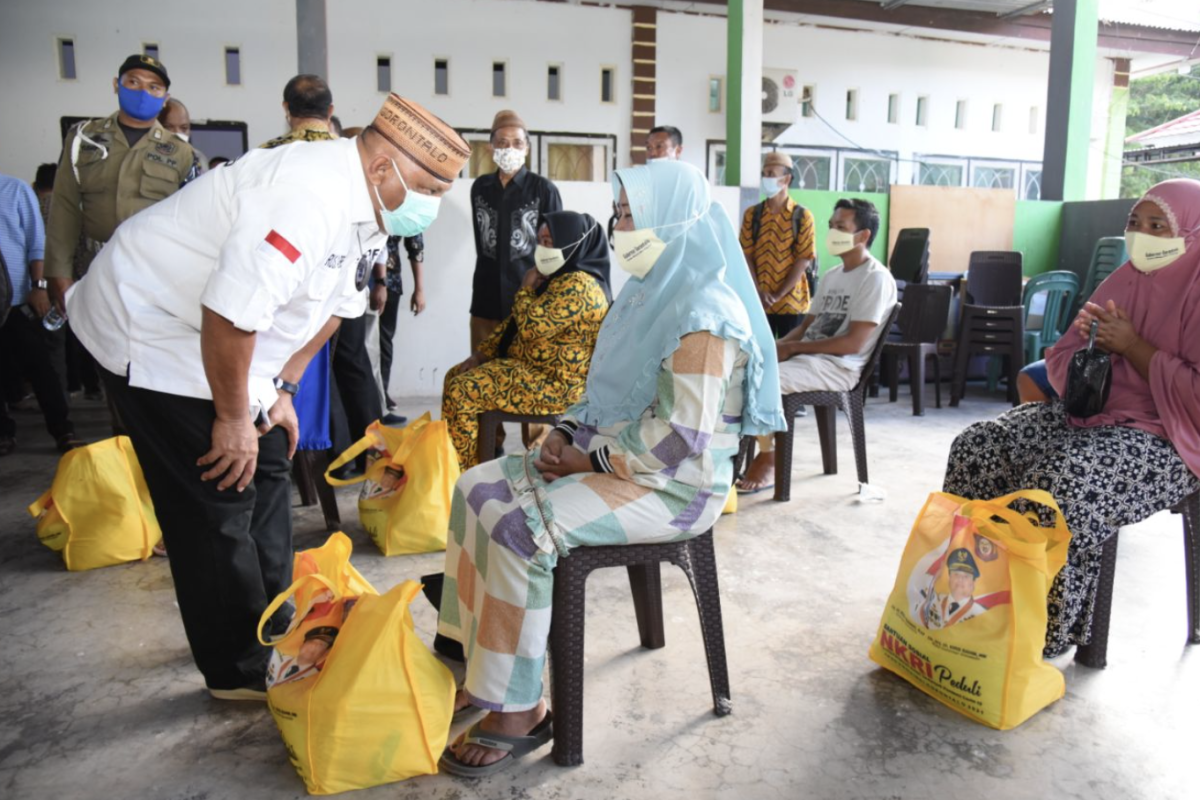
(409, 513)
(97, 511)
(966, 621)
(378, 708)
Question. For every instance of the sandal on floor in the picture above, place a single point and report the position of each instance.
(742, 491)
(465, 713)
(514, 747)
(159, 550)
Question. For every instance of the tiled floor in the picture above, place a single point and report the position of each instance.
(99, 698)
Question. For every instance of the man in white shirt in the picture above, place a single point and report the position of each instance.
(203, 312)
(828, 350)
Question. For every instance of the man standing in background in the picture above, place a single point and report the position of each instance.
(507, 206)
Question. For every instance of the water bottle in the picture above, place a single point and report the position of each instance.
(54, 320)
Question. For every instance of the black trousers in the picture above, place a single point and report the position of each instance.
(783, 324)
(387, 332)
(355, 381)
(81, 367)
(29, 350)
(230, 552)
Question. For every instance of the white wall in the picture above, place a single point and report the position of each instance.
(472, 34)
(191, 37)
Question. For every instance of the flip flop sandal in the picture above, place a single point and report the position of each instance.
(514, 747)
(465, 713)
(742, 491)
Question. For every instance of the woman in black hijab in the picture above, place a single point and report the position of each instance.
(536, 361)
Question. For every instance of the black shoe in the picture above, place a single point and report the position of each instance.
(346, 472)
(432, 588)
(394, 419)
(254, 691)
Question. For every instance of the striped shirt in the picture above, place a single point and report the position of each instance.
(22, 235)
(771, 257)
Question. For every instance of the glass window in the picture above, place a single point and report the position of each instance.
(554, 82)
(714, 95)
(807, 97)
(66, 59)
(811, 172)
(441, 76)
(922, 110)
(606, 85)
(233, 66)
(993, 177)
(1033, 184)
(499, 79)
(151, 50)
(997, 117)
(865, 175)
(1033, 119)
(383, 73)
(940, 174)
(851, 104)
(960, 114)
(893, 108)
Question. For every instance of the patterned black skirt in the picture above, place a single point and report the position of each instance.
(1102, 478)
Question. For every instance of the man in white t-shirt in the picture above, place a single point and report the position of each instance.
(827, 352)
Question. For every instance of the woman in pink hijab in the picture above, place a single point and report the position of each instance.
(1141, 454)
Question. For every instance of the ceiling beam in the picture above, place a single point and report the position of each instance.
(1032, 8)
(1036, 28)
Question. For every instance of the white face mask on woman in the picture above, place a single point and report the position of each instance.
(1149, 253)
(550, 260)
(638, 250)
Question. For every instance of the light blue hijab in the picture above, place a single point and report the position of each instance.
(699, 283)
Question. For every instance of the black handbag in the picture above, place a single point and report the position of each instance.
(1089, 379)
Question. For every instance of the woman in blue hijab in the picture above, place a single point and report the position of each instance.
(684, 365)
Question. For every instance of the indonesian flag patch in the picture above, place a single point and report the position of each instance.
(276, 243)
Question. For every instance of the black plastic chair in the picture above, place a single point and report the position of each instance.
(910, 256)
(921, 322)
(992, 318)
(489, 426)
(1094, 654)
(308, 471)
(826, 405)
(643, 561)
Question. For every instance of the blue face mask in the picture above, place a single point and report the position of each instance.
(412, 216)
(139, 104)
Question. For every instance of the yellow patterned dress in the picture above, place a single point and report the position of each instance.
(545, 369)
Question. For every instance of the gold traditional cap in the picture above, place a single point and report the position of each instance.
(430, 141)
(509, 119)
(777, 159)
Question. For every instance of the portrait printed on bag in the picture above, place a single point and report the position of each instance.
(959, 580)
(319, 637)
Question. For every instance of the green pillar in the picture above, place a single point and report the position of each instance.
(1073, 40)
(733, 94)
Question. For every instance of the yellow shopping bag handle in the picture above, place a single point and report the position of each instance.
(1049, 552)
(40, 506)
(412, 434)
(286, 595)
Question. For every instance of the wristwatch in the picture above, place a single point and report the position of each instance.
(284, 386)
(40, 284)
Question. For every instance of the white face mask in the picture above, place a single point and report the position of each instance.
(637, 250)
(770, 186)
(838, 242)
(1149, 253)
(550, 260)
(509, 159)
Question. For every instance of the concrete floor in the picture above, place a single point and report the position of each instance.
(99, 697)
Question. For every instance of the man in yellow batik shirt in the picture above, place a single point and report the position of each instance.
(777, 238)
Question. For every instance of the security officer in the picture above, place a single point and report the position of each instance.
(111, 169)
